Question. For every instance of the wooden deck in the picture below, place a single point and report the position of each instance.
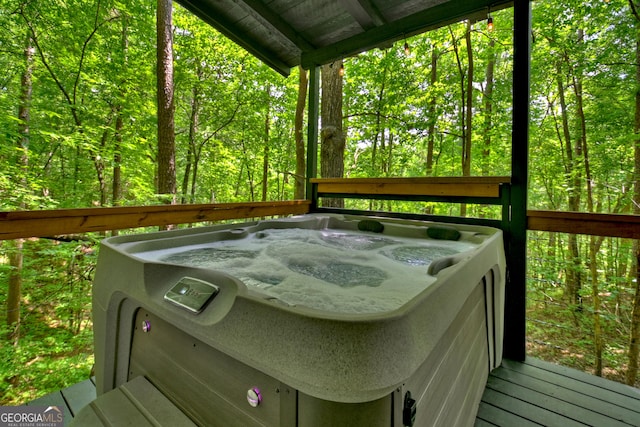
(533, 393)
(537, 393)
(72, 398)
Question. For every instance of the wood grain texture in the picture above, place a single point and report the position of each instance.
(45, 223)
(427, 186)
(597, 224)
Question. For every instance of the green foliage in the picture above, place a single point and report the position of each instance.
(56, 339)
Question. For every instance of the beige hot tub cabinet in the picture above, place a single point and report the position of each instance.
(207, 340)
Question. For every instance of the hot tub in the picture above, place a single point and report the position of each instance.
(318, 320)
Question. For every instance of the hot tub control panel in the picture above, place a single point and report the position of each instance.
(191, 294)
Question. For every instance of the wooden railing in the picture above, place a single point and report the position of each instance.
(46, 223)
(596, 224)
(427, 187)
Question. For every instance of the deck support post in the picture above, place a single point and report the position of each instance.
(515, 304)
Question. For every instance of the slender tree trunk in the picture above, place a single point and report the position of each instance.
(634, 338)
(166, 130)
(468, 116)
(299, 130)
(466, 104)
(574, 277)
(14, 295)
(432, 111)
(332, 137)
(379, 122)
(16, 257)
(99, 162)
(488, 108)
(194, 119)
(595, 243)
(265, 157)
(194, 173)
(116, 194)
(594, 247)
(466, 152)
(187, 172)
(116, 188)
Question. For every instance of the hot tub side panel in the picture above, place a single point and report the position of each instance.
(113, 312)
(449, 383)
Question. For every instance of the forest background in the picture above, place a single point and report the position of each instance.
(79, 118)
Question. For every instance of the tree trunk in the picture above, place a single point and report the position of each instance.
(574, 278)
(379, 124)
(116, 193)
(488, 109)
(634, 338)
(194, 119)
(332, 137)
(265, 157)
(299, 129)
(432, 112)
(116, 187)
(16, 257)
(99, 162)
(166, 131)
(466, 107)
(14, 294)
(595, 243)
(594, 247)
(468, 116)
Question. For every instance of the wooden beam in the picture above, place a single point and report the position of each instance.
(595, 224)
(46, 223)
(427, 186)
(364, 12)
(234, 32)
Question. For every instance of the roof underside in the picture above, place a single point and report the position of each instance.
(288, 33)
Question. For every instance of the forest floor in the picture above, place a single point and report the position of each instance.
(565, 337)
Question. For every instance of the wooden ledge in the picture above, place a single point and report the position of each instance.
(597, 224)
(464, 186)
(45, 223)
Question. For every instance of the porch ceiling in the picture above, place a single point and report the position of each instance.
(287, 33)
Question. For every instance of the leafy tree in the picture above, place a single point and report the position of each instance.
(332, 144)
(165, 93)
(634, 336)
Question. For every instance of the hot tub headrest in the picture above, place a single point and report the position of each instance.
(441, 263)
(442, 232)
(371, 225)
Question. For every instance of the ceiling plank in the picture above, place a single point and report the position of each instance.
(365, 13)
(235, 33)
(437, 16)
(279, 24)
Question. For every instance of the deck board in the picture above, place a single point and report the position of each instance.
(79, 395)
(545, 394)
(72, 399)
